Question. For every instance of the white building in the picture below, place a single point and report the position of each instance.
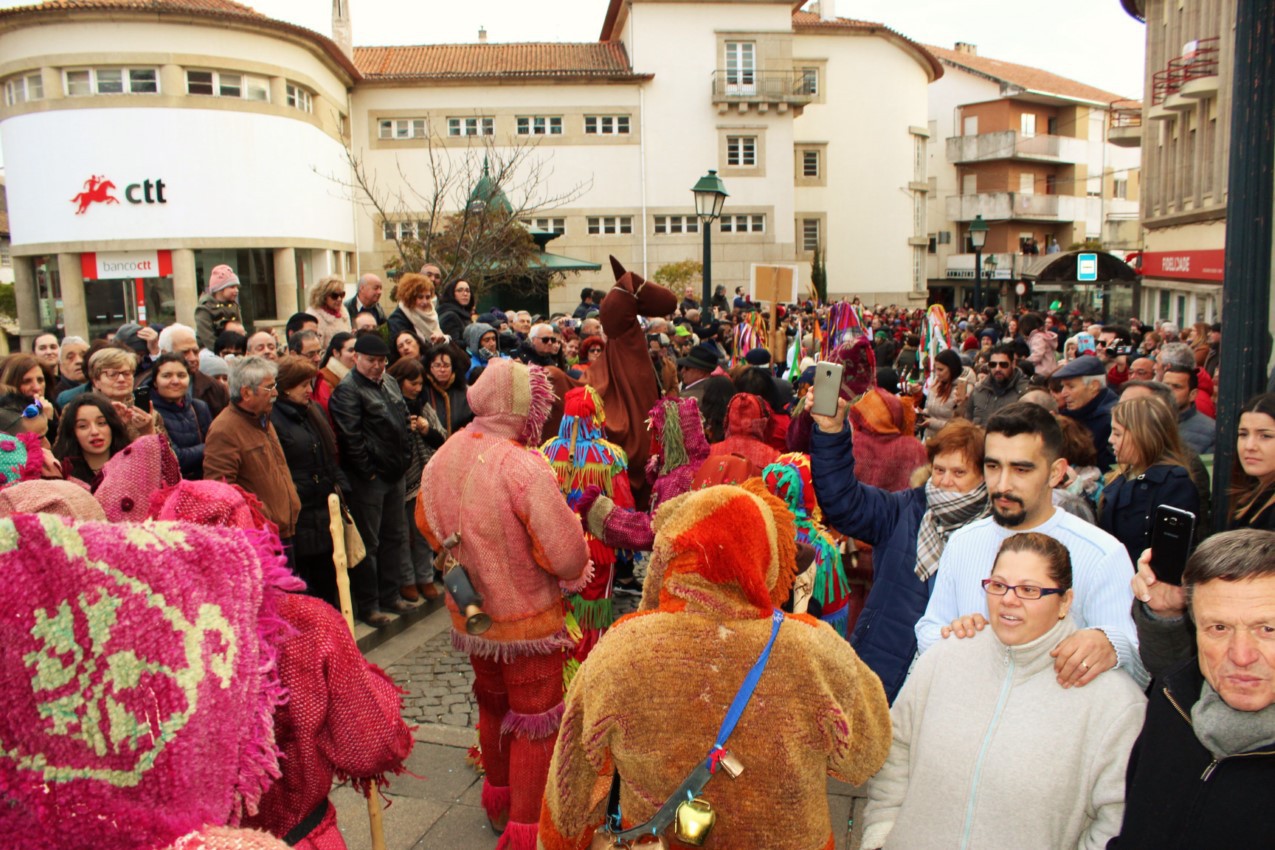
(210, 133)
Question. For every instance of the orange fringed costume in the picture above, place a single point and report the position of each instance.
(656, 688)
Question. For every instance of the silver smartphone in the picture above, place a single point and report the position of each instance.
(827, 388)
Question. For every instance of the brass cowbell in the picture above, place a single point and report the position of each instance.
(694, 821)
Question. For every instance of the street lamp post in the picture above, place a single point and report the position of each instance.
(990, 266)
(710, 194)
(978, 238)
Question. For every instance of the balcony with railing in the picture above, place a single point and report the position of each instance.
(1125, 129)
(1186, 79)
(1011, 144)
(1019, 206)
(761, 90)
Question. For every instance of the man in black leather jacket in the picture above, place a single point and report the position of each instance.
(370, 415)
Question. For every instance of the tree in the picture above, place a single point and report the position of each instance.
(681, 274)
(819, 275)
(466, 209)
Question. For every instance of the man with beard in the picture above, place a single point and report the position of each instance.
(1022, 463)
(1004, 385)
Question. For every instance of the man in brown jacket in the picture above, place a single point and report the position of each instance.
(242, 447)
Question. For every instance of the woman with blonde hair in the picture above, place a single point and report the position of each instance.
(1151, 470)
(111, 375)
(415, 311)
(328, 310)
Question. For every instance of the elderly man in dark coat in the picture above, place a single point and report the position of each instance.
(624, 376)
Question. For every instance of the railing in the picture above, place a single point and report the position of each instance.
(1126, 118)
(767, 86)
(1202, 62)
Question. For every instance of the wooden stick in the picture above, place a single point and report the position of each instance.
(337, 529)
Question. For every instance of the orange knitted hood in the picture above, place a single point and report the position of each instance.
(512, 398)
(727, 550)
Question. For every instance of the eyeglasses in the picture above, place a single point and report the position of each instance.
(335, 295)
(114, 374)
(549, 340)
(1022, 591)
(1000, 364)
(268, 388)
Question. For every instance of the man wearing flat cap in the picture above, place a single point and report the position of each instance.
(370, 416)
(695, 368)
(1089, 401)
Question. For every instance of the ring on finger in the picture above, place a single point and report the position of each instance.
(1084, 664)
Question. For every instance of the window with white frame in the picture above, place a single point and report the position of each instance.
(22, 88)
(809, 81)
(539, 125)
(810, 163)
(401, 128)
(741, 151)
(227, 84)
(476, 126)
(391, 230)
(606, 125)
(553, 225)
(1028, 124)
(609, 225)
(742, 224)
(741, 67)
(82, 82)
(665, 224)
(300, 98)
(810, 234)
(1120, 188)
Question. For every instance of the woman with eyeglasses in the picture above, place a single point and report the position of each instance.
(445, 388)
(111, 372)
(456, 309)
(989, 750)
(91, 433)
(328, 310)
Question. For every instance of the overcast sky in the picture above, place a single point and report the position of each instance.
(1093, 41)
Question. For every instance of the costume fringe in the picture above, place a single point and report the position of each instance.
(579, 584)
(34, 465)
(495, 799)
(569, 670)
(506, 651)
(596, 614)
(838, 619)
(542, 399)
(674, 442)
(519, 836)
(572, 625)
(533, 726)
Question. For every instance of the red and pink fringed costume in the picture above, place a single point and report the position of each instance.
(518, 542)
(582, 458)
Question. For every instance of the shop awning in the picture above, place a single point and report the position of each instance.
(1062, 268)
(559, 263)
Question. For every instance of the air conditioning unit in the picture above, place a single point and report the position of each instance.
(945, 237)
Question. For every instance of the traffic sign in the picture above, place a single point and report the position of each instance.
(1087, 267)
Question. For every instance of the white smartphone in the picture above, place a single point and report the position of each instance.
(827, 388)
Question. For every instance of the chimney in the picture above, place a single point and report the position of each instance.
(966, 47)
(482, 34)
(827, 10)
(341, 33)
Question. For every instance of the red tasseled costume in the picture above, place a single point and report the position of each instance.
(342, 719)
(747, 428)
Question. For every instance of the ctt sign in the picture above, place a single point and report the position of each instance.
(99, 189)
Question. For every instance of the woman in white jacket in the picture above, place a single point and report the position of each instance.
(989, 750)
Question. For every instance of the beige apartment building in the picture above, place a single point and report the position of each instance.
(1185, 126)
(221, 135)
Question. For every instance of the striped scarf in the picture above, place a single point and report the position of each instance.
(946, 512)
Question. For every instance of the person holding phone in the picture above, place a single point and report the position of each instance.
(1151, 470)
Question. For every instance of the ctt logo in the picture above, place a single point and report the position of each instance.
(97, 190)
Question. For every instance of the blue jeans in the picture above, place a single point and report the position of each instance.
(418, 568)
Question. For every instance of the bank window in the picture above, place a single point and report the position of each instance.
(300, 98)
(539, 125)
(810, 163)
(742, 224)
(665, 224)
(606, 125)
(479, 126)
(609, 225)
(741, 151)
(402, 128)
(89, 81)
(23, 88)
(809, 234)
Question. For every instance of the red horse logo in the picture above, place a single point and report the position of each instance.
(96, 191)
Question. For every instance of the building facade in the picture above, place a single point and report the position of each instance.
(1040, 158)
(1186, 129)
(216, 134)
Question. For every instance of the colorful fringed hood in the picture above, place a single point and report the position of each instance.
(790, 478)
(140, 674)
(747, 426)
(580, 455)
(678, 447)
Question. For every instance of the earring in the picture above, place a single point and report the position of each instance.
(1062, 615)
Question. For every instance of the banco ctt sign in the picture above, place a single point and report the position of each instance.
(98, 189)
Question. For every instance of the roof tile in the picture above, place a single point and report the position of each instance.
(1026, 77)
(223, 7)
(461, 61)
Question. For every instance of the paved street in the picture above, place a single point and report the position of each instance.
(441, 809)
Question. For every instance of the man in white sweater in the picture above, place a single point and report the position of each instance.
(1022, 463)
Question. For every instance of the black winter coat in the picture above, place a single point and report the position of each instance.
(306, 438)
(371, 427)
(186, 422)
(453, 319)
(1177, 796)
(1128, 505)
(453, 401)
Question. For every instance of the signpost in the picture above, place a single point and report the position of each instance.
(775, 285)
(1087, 268)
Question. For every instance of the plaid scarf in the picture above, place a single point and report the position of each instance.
(947, 511)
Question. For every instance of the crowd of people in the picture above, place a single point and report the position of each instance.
(946, 584)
